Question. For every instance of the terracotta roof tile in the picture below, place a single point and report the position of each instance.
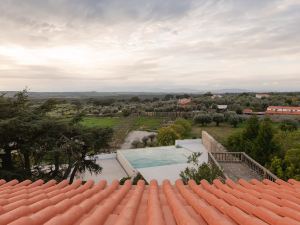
(243, 202)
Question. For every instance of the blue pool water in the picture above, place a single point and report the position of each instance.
(142, 158)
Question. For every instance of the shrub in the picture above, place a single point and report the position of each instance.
(178, 129)
(167, 136)
(289, 125)
(126, 112)
(186, 125)
(198, 172)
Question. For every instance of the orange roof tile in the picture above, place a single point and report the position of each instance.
(51, 203)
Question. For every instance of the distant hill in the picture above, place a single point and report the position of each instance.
(75, 95)
(223, 91)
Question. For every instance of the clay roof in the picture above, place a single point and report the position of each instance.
(184, 101)
(288, 110)
(284, 107)
(50, 203)
(247, 110)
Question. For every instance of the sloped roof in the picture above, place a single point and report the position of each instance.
(184, 101)
(254, 202)
(284, 107)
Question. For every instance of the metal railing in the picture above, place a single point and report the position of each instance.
(242, 157)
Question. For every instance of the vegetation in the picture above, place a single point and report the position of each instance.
(167, 136)
(179, 130)
(100, 121)
(277, 149)
(135, 180)
(221, 133)
(35, 145)
(148, 123)
(218, 118)
(203, 119)
(289, 125)
(49, 138)
(199, 171)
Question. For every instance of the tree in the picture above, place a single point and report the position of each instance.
(251, 128)
(256, 139)
(292, 159)
(199, 171)
(77, 118)
(166, 136)
(135, 99)
(126, 112)
(77, 104)
(208, 94)
(234, 120)
(228, 114)
(265, 145)
(168, 97)
(277, 167)
(218, 118)
(42, 141)
(203, 119)
(88, 142)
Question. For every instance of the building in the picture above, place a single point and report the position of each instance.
(262, 96)
(184, 101)
(283, 110)
(222, 108)
(249, 111)
(216, 96)
(229, 203)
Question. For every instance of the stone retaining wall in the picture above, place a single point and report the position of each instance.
(211, 144)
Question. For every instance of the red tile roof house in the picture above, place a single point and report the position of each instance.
(184, 101)
(283, 110)
(229, 203)
(247, 111)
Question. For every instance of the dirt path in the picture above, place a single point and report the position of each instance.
(134, 135)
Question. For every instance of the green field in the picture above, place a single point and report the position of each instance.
(101, 121)
(148, 123)
(220, 133)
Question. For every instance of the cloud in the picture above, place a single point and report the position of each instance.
(153, 43)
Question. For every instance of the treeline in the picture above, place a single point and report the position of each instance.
(161, 104)
(205, 118)
(273, 147)
(34, 145)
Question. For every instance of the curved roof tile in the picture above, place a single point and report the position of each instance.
(243, 202)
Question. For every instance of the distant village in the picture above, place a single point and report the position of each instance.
(271, 110)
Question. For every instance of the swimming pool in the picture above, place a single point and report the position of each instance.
(142, 158)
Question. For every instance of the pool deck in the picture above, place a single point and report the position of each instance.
(160, 173)
(116, 166)
(170, 172)
(111, 169)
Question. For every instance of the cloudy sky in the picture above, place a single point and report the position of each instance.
(149, 45)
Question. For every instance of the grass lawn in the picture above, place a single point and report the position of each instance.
(220, 133)
(101, 121)
(148, 123)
